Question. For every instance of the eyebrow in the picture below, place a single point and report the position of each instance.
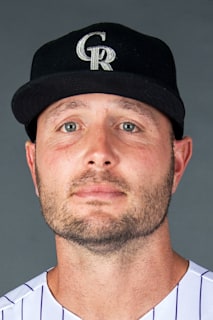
(139, 107)
(59, 107)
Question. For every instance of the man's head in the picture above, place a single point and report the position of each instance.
(104, 110)
(102, 58)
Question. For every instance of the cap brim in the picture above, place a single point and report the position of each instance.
(35, 96)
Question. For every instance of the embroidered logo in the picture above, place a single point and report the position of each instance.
(99, 55)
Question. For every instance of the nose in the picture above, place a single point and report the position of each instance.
(101, 150)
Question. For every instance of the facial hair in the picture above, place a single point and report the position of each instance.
(139, 220)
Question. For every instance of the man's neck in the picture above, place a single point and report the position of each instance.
(125, 285)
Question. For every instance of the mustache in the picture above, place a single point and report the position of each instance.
(93, 177)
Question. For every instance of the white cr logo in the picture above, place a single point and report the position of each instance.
(100, 55)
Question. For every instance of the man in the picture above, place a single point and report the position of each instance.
(107, 151)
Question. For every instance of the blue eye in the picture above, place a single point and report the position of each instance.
(129, 126)
(69, 127)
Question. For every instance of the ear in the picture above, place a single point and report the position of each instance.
(182, 155)
(30, 156)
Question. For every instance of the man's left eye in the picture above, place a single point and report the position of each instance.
(129, 126)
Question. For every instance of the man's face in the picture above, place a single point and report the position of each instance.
(103, 167)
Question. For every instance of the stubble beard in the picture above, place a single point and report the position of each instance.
(113, 233)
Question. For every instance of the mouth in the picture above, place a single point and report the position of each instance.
(99, 191)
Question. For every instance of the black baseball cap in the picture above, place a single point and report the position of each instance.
(101, 58)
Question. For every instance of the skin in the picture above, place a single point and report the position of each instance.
(118, 161)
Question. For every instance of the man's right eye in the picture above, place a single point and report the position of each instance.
(69, 126)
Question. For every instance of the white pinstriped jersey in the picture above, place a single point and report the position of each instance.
(191, 299)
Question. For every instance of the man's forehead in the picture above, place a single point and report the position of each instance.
(88, 101)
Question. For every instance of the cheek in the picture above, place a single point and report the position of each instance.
(56, 164)
(147, 164)
(48, 165)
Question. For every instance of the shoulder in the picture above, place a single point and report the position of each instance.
(15, 297)
(195, 294)
(200, 273)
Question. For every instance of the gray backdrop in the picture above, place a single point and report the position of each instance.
(26, 244)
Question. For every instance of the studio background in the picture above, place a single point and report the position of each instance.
(26, 244)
